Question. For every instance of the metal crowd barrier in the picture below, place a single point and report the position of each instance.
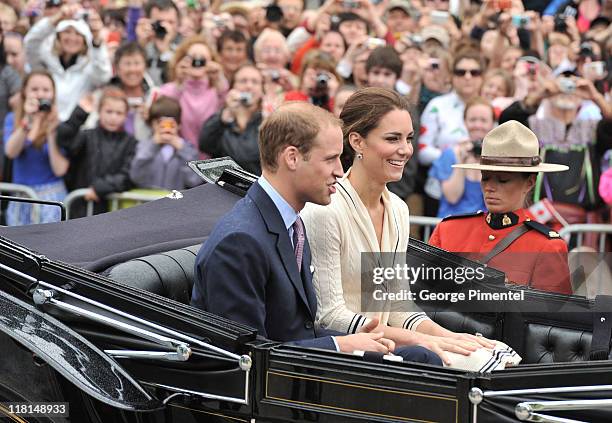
(24, 191)
(579, 229)
(114, 199)
(428, 224)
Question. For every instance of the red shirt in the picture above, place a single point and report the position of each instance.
(535, 259)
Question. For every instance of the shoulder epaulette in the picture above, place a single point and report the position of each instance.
(459, 216)
(543, 229)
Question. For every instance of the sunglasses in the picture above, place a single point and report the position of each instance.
(463, 72)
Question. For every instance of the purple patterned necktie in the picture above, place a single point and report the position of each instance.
(298, 241)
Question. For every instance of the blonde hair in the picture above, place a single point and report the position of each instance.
(183, 48)
(40, 137)
(265, 36)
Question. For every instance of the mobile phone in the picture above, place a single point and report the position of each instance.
(439, 17)
(520, 21)
(373, 43)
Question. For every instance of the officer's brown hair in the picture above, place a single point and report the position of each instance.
(363, 111)
(294, 124)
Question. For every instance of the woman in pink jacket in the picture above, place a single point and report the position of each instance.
(197, 83)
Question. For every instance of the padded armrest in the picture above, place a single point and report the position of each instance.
(169, 274)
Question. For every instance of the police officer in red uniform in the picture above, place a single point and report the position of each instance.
(507, 237)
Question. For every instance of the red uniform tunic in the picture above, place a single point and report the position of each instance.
(537, 259)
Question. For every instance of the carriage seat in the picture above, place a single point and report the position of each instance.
(169, 274)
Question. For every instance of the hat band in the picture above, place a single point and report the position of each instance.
(510, 161)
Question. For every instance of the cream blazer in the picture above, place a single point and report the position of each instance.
(338, 234)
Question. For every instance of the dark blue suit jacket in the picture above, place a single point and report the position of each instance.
(246, 271)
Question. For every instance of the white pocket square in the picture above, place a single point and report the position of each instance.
(312, 269)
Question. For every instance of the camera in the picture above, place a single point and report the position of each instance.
(274, 13)
(350, 4)
(44, 105)
(159, 30)
(246, 99)
(275, 76)
(567, 85)
(198, 62)
(322, 80)
(83, 15)
(53, 3)
(434, 64)
(586, 50)
(477, 147)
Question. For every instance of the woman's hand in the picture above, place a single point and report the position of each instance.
(481, 340)
(441, 345)
(96, 26)
(214, 71)
(586, 89)
(30, 107)
(51, 122)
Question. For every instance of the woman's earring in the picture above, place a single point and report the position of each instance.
(359, 156)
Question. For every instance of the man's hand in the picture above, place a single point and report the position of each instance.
(91, 195)
(369, 338)
(144, 31)
(365, 342)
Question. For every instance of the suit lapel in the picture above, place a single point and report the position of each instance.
(275, 225)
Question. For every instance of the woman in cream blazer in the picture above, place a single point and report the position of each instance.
(365, 217)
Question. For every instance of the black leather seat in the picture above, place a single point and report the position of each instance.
(534, 337)
(169, 274)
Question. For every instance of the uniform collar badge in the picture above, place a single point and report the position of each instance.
(502, 220)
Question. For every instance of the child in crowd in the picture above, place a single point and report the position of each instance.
(100, 158)
(31, 142)
(161, 163)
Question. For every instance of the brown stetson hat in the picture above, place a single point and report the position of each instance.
(511, 147)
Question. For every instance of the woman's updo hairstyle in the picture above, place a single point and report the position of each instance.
(363, 111)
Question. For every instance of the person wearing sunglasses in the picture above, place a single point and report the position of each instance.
(442, 120)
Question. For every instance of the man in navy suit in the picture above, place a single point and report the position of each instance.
(255, 266)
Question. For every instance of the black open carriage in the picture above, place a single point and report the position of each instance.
(134, 351)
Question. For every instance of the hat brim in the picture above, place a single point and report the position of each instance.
(542, 167)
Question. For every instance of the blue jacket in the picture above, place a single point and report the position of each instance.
(246, 271)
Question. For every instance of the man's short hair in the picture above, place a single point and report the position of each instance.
(165, 107)
(385, 57)
(348, 17)
(294, 124)
(160, 5)
(230, 35)
(129, 49)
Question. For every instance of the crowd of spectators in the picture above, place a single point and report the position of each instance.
(110, 95)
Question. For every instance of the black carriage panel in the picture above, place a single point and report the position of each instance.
(334, 387)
